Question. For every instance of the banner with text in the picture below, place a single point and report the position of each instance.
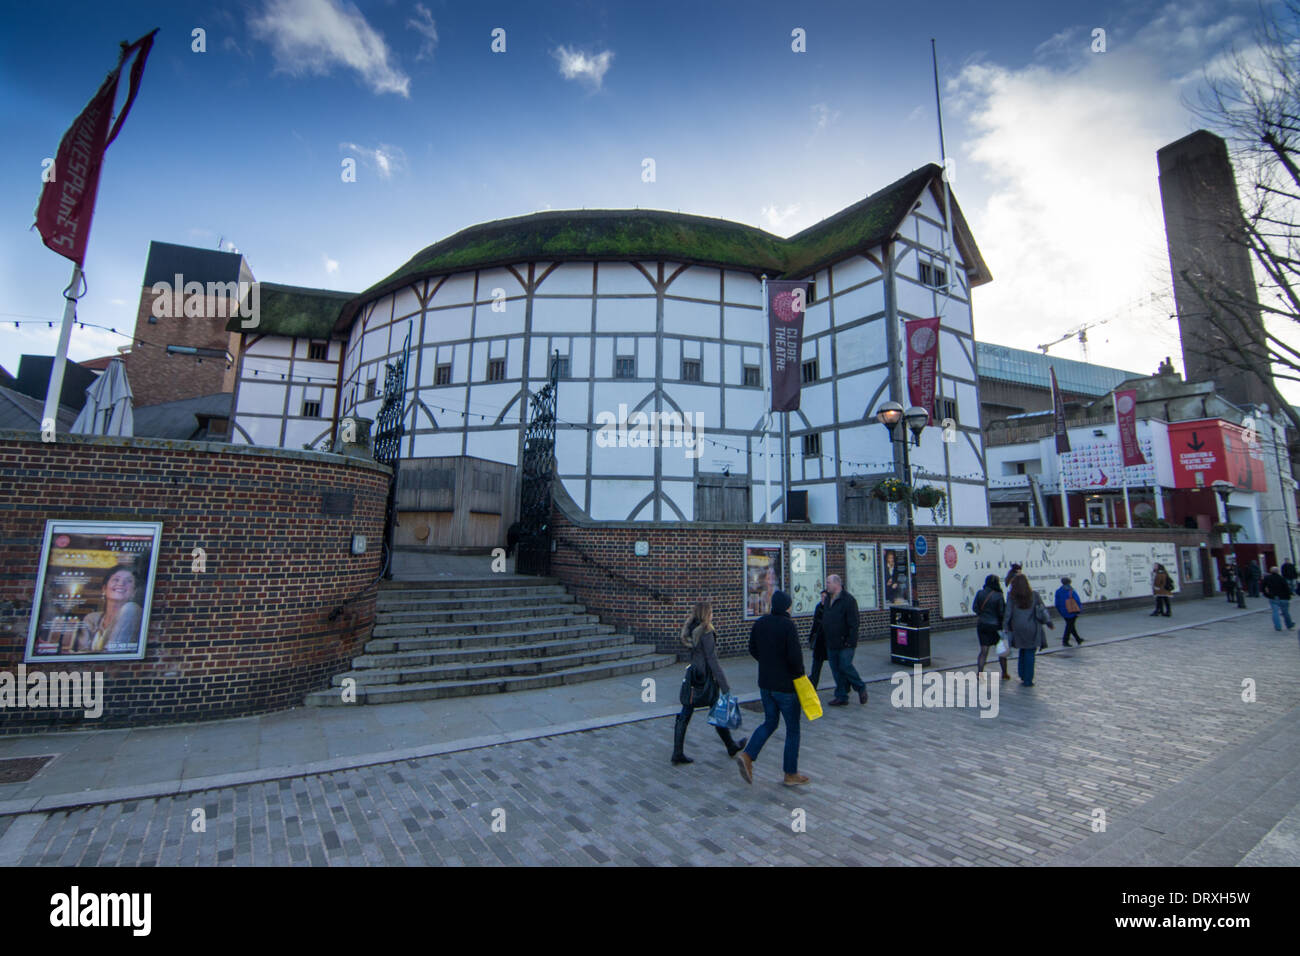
(786, 304)
(922, 359)
(1126, 415)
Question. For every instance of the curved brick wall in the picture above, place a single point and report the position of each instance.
(247, 636)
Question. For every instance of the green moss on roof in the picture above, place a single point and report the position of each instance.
(294, 311)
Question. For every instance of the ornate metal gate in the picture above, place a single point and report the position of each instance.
(390, 426)
(537, 473)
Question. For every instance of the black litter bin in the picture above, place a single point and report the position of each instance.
(909, 635)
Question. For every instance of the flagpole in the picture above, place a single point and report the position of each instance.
(947, 198)
(767, 412)
(50, 416)
(1123, 470)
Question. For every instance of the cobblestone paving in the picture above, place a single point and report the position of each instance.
(1106, 727)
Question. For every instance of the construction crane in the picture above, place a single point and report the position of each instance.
(1080, 332)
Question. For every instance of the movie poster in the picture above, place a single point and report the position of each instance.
(860, 574)
(94, 590)
(807, 576)
(893, 576)
(762, 576)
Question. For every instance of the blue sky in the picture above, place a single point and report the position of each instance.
(1054, 144)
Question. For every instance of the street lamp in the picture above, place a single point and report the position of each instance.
(891, 415)
(1223, 489)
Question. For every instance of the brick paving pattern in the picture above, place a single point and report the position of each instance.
(1110, 727)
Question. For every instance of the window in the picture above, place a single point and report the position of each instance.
(318, 351)
(442, 375)
(371, 390)
(561, 366)
(812, 293)
(933, 276)
(812, 445)
(752, 379)
(947, 409)
(625, 368)
(811, 373)
(496, 370)
(311, 409)
(690, 370)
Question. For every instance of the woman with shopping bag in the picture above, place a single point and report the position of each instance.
(990, 607)
(1024, 622)
(774, 643)
(705, 681)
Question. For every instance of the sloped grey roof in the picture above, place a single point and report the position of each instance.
(177, 420)
(23, 413)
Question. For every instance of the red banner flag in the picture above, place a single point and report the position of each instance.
(1058, 413)
(68, 198)
(922, 358)
(1126, 421)
(786, 304)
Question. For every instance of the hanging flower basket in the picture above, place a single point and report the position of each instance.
(892, 490)
(928, 496)
(1220, 527)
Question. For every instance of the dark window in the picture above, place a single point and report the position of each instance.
(496, 370)
(442, 375)
(751, 376)
(690, 370)
(812, 445)
(311, 409)
(318, 351)
(812, 293)
(810, 371)
(947, 409)
(371, 390)
(933, 276)
(625, 368)
(562, 366)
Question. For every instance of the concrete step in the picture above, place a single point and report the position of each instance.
(438, 690)
(502, 667)
(388, 644)
(493, 612)
(465, 591)
(418, 628)
(420, 657)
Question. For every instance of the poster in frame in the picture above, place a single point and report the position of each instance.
(893, 574)
(762, 570)
(807, 576)
(860, 574)
(94, 591)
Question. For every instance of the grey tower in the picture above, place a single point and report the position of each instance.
(1199, 194)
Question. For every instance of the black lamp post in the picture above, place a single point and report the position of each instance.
(892, 415)
(1223, 489)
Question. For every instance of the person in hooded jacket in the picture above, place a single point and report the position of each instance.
(700, 637)
(817, 640)
(774, 643)
(990, 606)
(1024, 621)
(1067, 597)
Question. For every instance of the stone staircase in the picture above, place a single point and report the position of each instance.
(455, 638)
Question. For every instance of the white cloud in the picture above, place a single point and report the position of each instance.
(314, 36)
(825, 115)
(422, 23)
(331, 265)
(575, 65)
(384, 159)
(776, 218)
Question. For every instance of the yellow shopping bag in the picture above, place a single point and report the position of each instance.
(812, 705)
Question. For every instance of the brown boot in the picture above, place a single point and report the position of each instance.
(795, 780)
(746, 767)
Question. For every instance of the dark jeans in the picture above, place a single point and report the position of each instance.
(845, 674)
(1281, 607)
(1162, 606)
(1070, 629)
(1025, 665)
(818, 659)
(778, 704)
(1254, 588)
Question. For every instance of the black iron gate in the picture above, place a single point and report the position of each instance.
(537, 474)
(390, 426)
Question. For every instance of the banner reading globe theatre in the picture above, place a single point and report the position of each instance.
(94, 591)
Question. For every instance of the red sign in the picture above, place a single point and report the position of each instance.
(1209, 450)
(1126, 418)
(922, 354)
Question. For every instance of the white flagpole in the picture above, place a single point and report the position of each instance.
(1123, 471)
(947, 197)
(50, 416)
(767, 412)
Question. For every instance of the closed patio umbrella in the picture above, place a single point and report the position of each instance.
(108, 409)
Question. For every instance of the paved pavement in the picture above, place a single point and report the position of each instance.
(1159, 733)
(107, 765)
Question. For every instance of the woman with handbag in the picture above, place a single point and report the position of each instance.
(990, 606)
(1069, 607)
(1024, 622)
(704, 679)
(1162, 585)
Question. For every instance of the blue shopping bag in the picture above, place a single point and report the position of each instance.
(725, 712)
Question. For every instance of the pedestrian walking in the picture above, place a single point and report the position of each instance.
(990, 606)
(1162, 585)
(1253, 576)
(1230, 583)
(817, 641)
(705, 679)
(1289, 572)
(774, 643)
(1069, 606)
(1025, 618)
(840, 626)
(1014, 570)
(1278, 591)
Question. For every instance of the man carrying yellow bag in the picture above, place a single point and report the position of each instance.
(774, 643)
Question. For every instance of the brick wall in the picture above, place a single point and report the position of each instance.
(157, 377)
(249, 635)
(688, 561)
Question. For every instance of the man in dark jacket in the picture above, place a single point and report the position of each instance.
(1278, 592)
(817, 641)
(774, 643)
(840, 626)
(1253, 577)
(1289, 572)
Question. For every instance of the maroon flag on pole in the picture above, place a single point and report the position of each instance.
(1058, 414)
(786, 302)
(68, 198)
(1126, 419)
(922, 358)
